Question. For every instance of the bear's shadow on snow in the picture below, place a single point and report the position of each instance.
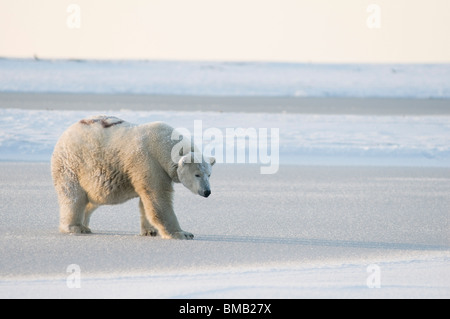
(286, 241)
(317, 242)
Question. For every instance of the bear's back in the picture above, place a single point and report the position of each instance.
(92, 137)
(103, 120)
(101, 129)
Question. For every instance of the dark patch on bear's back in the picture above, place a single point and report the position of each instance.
(87, 122)
(104, 121)
(105, 124)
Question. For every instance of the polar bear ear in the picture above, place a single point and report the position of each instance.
(183, 161)
(212, 161)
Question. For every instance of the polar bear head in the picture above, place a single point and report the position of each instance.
(194, 172)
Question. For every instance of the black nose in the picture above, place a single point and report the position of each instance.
(207, 193)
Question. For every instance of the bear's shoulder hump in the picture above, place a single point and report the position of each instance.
(103, 120)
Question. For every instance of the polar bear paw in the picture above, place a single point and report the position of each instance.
(75, 230)
(182, 235)
(149, 232)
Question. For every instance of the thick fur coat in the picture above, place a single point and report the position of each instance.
(105, 161)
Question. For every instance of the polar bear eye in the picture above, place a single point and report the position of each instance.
(198, 176)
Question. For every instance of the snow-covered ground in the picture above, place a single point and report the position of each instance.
(359, 200)
(408, 278)
(307, 231)
(226, 79)
(304, 139)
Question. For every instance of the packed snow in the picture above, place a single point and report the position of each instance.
(307, 231)
(304, 139)
(226, 79)
(358, 206)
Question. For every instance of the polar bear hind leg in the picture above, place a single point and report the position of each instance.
(90, 208)
(73, 202)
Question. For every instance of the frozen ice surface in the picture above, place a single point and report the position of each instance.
(226, 79)
(304, 138)
(307, 231)
(380, 195)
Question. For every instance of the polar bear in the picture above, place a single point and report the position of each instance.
(104, 160)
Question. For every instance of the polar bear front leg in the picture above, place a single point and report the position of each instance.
(159, 213)
(146, 228)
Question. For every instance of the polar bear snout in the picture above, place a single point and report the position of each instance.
(205, 193)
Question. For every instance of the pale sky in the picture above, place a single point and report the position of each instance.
(405, 31)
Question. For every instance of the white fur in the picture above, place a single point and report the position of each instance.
(106, 161)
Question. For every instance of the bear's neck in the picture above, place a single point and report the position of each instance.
(173, 173)
(158, 136)
(169, 167)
